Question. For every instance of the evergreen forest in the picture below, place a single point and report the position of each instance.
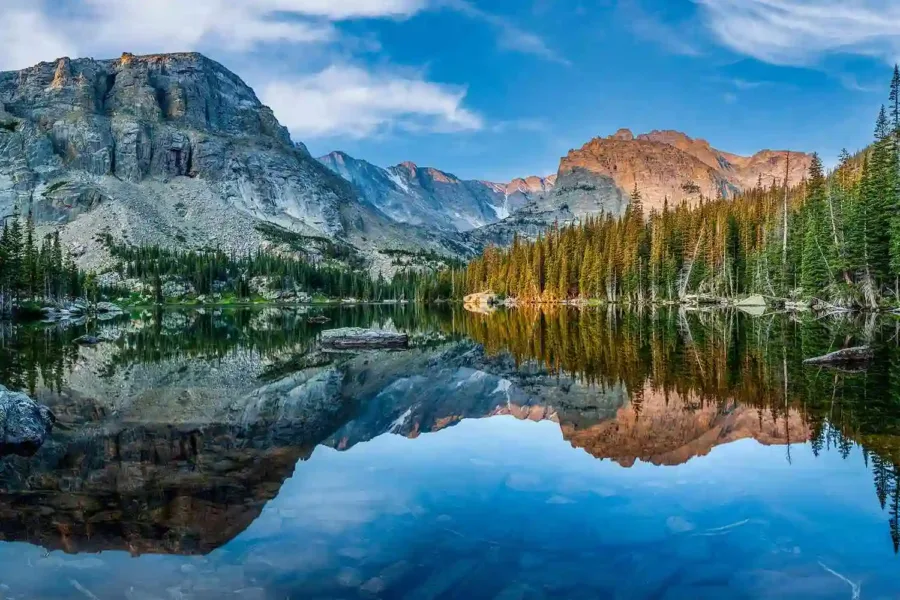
(832, 237)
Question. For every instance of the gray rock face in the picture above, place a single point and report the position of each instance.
(429, 197)
(165, 149)
(24, 424)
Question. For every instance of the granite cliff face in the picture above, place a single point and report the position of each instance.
(664, 165)
(429, 197)
(166, 149)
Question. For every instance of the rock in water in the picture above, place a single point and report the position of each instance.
(107, 308)
(847, 355)
(87, 340)
(24, 424)
(353, 338)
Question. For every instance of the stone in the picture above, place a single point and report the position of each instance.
(751, 301)
(87, 340)
(481, 299)
(24, 424)
(353, 338)
(107, 307)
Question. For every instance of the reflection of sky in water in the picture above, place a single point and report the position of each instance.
(504, 508)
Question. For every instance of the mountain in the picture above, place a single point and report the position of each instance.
(429, 197)
(464, 382)
(171, 149)
(600, 176)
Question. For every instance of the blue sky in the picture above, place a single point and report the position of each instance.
(503, 88)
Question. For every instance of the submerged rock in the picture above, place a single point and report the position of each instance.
(107, 307)
(318, 319)
(847, 355)
(87, 340)
(367, 339)
(24, 424)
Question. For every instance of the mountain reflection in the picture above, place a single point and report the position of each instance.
(176, 432)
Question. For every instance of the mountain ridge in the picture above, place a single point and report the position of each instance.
(171, 149)
(422, 195)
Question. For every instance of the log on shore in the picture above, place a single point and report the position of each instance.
(353, 338)
(847, 355)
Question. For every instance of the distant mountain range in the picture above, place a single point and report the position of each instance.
(174, 149)
(429, 197)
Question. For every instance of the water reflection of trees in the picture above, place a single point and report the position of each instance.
(43, 355)
(717, 358)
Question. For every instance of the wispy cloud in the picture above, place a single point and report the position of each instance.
(676, 38)
(850, 82)
(509, 36)
(346, 101)
(800, 32)
(27, 37)
(744, 84)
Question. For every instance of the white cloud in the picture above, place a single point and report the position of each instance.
(351, 102)
(798, 32)
(347, 9)
(26, 38)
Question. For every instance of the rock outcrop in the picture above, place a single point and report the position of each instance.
(167, 149)
(24, 424)
(429, 197)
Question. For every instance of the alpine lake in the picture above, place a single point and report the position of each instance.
(523, 453)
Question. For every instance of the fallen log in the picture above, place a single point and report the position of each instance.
(847, 355)
(353, 338)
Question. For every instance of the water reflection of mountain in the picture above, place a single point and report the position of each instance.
(663, 428)
(174, 446)
(157, 488)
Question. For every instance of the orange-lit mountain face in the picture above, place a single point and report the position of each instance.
(664, 165)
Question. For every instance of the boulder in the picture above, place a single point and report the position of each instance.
(858, 354)
(481, 299)
(87, 340)
(107, 308)
(24, 424)
(750, 301)
(354, 338)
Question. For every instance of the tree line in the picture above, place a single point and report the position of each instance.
(33, 267)
(215, 271)
(833, 237)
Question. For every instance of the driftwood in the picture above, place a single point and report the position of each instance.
(363, 339)
(859, 354)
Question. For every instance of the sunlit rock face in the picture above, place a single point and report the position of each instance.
(670, 429)
(163, 149)
(665, 166)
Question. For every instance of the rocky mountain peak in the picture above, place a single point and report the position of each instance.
(624, 135)
(168, 149)
(664, 165)
(409, 167)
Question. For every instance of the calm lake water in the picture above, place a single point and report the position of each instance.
(520, 454)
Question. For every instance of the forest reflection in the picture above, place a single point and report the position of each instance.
(719, 361)
(727, 359)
